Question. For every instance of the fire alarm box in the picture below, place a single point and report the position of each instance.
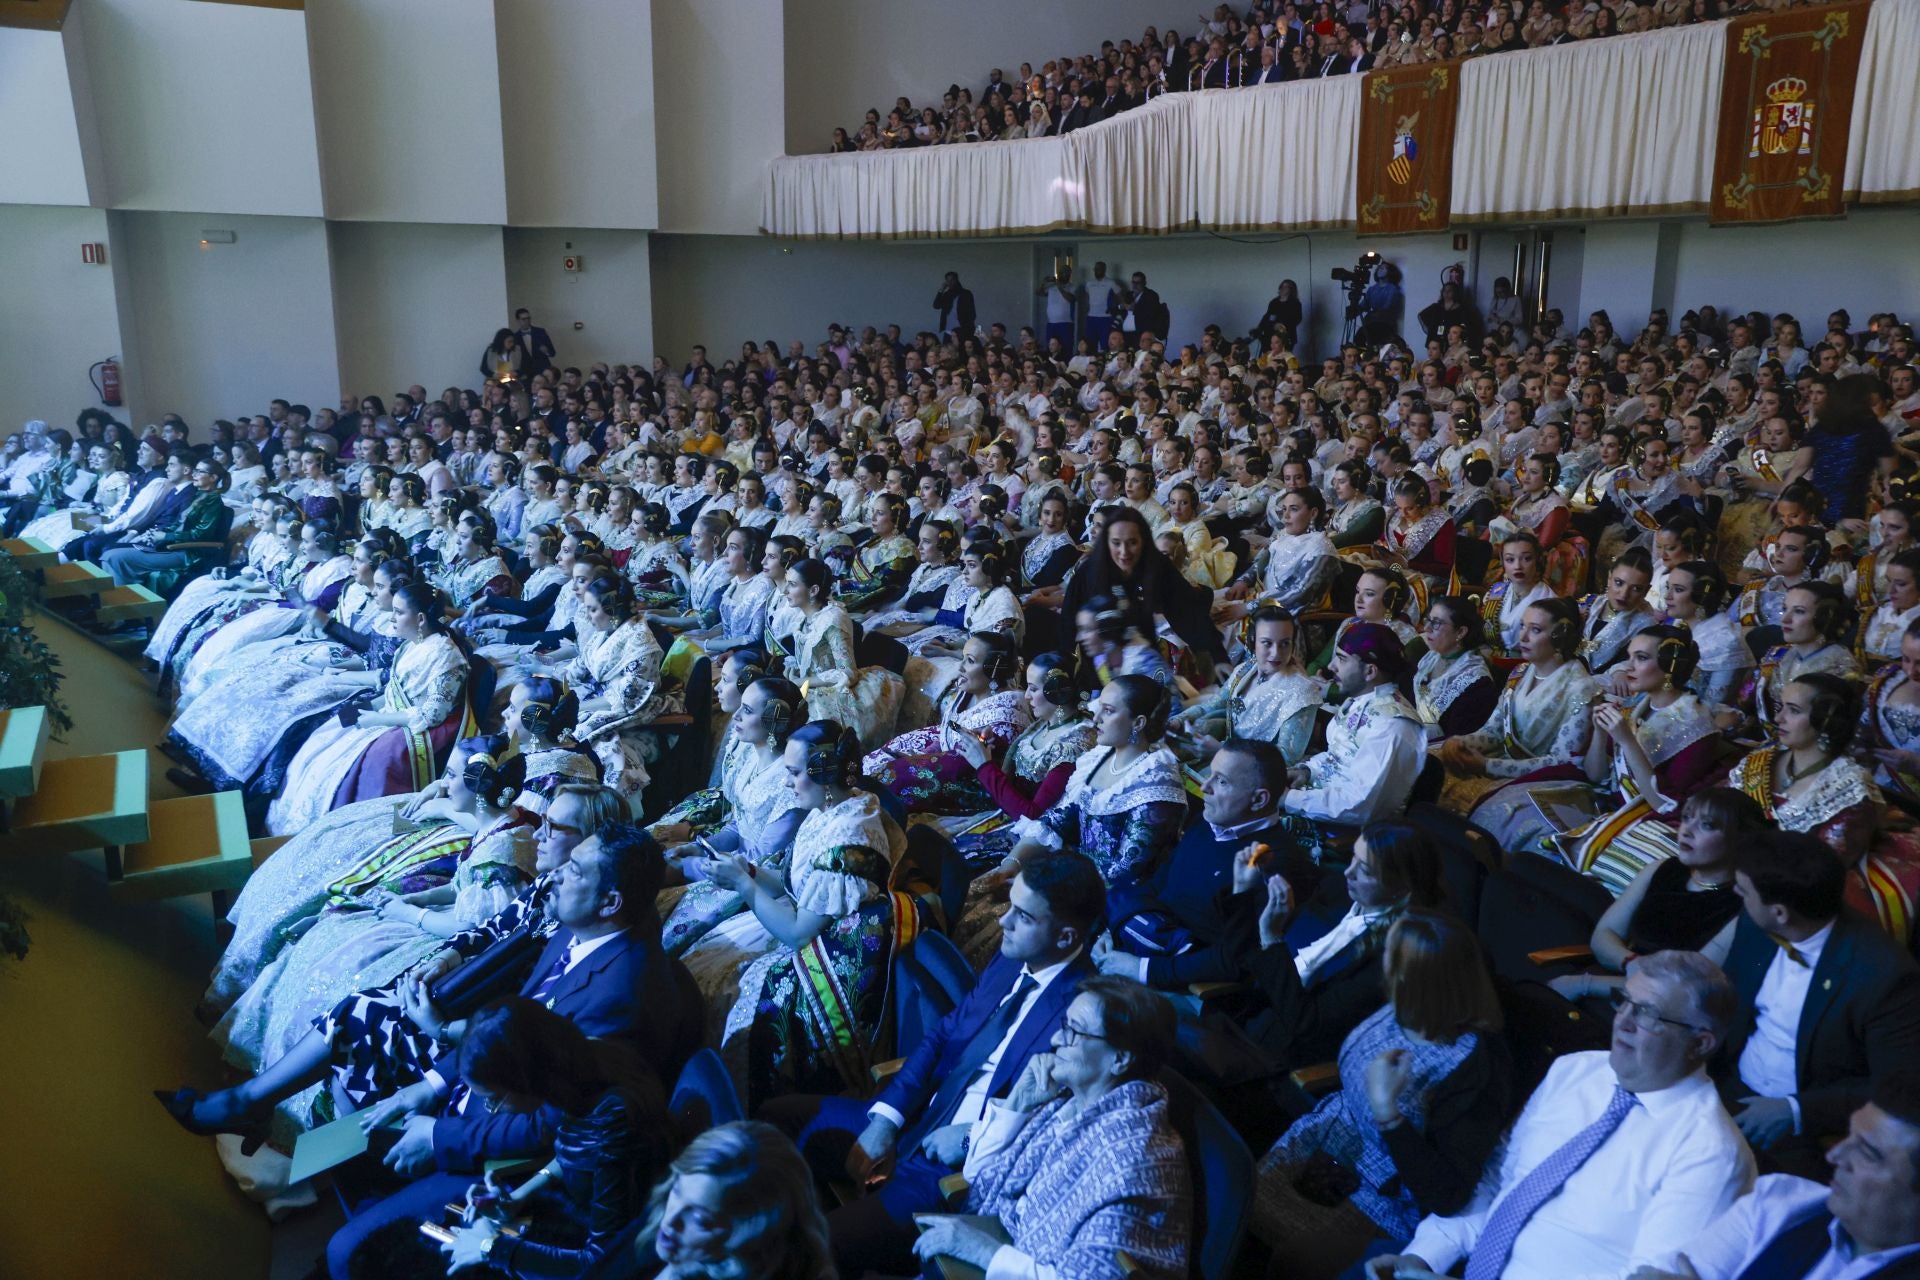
(570, 263)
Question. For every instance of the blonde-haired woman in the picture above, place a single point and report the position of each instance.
(738, 1204)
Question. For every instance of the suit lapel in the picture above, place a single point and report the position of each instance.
(1822, 990)
(1042, 1020)
(595, 962)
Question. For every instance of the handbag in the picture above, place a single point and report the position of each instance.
(498, 971)
(1325, 1180)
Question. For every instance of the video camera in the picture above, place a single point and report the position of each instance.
(1357, 279)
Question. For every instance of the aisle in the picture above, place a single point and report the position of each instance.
(98, 1181)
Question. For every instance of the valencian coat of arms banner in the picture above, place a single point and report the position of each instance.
(1406, 149)
(1786, 107)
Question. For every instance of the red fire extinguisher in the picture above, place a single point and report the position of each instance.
(107, 383)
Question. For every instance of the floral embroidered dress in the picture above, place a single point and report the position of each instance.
(320, 585)
(1297, 570)
(1725, 661)
(1427, 547)
(294, 884)
(878, 570)
(198, 600)
(58, 528)
(349, 948)
(1638, 828)
(1127, 825)
(752, 812)
(1843, 807)
(1504, 608)
(339, 764)
(865, 699)
(1744, 520)
(660, 574)
(929, 588)
(929, 677)
(1781, 665)
(1075, 1185)
(288, 687)
(1605, 630)
(1456, 695)
(622, 666)
(1279, 708)
(465, 581)
(1047, 558)
(922, 769)
(812, 1020)
(1537, 731)
(1888, 723)
(219, 610)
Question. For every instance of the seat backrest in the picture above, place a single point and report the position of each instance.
(1222, 1170)
(1467, 855)
(932, 863)
(704, 1096)
(930, 979)
(1518, 915)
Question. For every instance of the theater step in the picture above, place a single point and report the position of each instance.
(82, 578)
(128, 604)
(23, 750)
(83, 802)
(195, 844)
(30, 553)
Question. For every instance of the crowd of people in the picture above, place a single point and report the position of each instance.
(1271, 43)
(1220, 676)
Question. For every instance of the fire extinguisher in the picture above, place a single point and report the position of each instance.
(108, 381)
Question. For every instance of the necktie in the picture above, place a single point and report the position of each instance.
(554, 975)
(1793, 953)
(984, 1042)
(1517, 1207)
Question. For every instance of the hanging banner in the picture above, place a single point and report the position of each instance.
(1786, 107)
(1405, 165)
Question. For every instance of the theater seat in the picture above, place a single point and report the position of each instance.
(1222, 1170)
(1531, 908)
(704, 1096)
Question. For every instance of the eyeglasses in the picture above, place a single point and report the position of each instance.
(548, 824)
(1072, 1035)
(1645, 1013)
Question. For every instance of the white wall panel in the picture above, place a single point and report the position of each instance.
(577, 110)
(220, 330)
(42, 158)
(202, 106)
(610, 297)
(720, 104)
(415, 303)
(57, 314)
(408, 103)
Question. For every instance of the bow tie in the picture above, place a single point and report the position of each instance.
(1793, 952)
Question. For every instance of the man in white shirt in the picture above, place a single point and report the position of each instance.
(1376, 744)
(1867, 1224)
(1618, 1159)
(916, 1131)
(1099, 320)
(1059, 296)
(1828, 1001)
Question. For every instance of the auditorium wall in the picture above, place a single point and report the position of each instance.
(57, 313)
(44, 161)
(843, 57)
(220, 330)
(719, 111)
(414, 303)
(201, 106)
(721, 291)
(407, 98)
(610, 297)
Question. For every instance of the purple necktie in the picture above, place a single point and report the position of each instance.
(1510, 1216)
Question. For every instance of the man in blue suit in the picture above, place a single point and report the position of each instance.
(915, 1132)
(604, 969)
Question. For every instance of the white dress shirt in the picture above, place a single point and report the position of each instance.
(1308, 959)
(1730, 1245)
(1675, 1164)
(1769, 1065)
(973, 1103)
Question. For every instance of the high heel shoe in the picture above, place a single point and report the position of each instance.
(179, 1105)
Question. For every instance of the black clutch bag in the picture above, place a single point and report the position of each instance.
(497, 971)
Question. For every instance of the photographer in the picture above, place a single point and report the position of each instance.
(1379, 304)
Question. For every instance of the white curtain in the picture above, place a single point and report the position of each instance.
(1883, 164)
(1592, 129)
(1274, 157)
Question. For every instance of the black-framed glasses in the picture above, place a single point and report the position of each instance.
(548, 824)
(1645, 1013)
(1072, 1035)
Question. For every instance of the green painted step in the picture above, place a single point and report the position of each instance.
(83, 802)
(196, 844)
(23, 750)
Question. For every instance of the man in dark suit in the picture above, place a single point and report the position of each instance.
(604, 969)
(1867, 1224)
(1167, 935)
(535, 342)
(956, 299)
(919, 1124)
(1829, 1002)
(1150, 315)
(1271, 69)
(171, 506)
(1358, 60)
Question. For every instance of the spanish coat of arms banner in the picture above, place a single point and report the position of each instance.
(1406, 149)
(1786, 107)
